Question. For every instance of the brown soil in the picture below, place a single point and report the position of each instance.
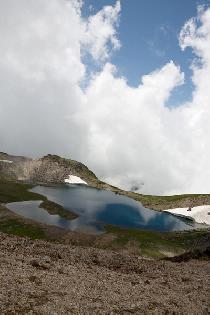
(39, 277)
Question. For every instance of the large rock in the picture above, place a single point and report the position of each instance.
(48, 169)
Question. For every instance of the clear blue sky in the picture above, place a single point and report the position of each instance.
(148, 32)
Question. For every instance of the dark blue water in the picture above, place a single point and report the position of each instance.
(96, 208)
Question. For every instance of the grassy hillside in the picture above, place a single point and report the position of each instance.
(168, 202)
(147, 243)
(159, 244)
(12, 192)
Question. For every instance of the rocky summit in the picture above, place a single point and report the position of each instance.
(48, 169)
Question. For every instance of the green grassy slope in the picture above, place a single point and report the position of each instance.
(15, 192)
(158, 244)
(12, 192)
(148, 243)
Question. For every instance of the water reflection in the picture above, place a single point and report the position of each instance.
(95, 208)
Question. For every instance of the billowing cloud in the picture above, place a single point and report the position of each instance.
(100, 36)
(127, 135)
(42, 44)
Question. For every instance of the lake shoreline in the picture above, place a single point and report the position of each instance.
(199, 214)
(96, 207)
(155, 244)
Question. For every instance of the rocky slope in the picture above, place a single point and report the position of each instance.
(43, 278)
(48, 169)
(39, 277)
(53, 169)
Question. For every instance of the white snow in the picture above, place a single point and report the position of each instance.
(6, 161)
(74, 180)
(199, 214)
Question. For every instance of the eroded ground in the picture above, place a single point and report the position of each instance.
(38, 277)
(63, 272)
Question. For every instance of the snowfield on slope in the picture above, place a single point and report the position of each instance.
(74, 180)
(6, 161)
(201, 214)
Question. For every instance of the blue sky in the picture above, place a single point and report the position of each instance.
(148, 32)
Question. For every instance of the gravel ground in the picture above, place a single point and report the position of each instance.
(38, 277)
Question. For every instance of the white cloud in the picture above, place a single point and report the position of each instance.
(41, 68)
(126, 135)
(100, 36)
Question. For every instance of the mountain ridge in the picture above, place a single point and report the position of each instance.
(47, 169)
(53, 169)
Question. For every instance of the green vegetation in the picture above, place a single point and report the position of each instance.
(20, 228)
(167, 200)
(158, 202)
(54, 208)
(12, 192)
(156, 244)
(15, 192)
(148, 243)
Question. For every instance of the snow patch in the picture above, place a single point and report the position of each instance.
(74, 180)
(200, 214)
(6, 161)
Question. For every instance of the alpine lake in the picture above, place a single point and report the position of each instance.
(96, 208)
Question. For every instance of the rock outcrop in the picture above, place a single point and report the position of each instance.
(48, 169)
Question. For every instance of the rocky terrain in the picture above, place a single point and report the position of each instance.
(72, 274)
(38, 277)
(48, 169)
(53, 169)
